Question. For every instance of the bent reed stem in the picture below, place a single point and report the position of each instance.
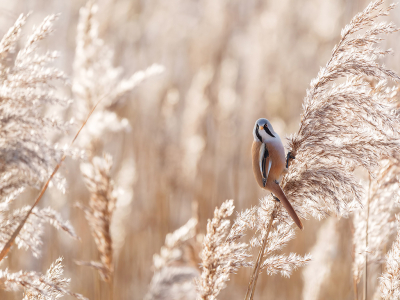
(256, 271)
(366, 243)
(11, 241)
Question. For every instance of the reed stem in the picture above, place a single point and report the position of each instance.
(366, 244)
(256, 271)
(11, 241)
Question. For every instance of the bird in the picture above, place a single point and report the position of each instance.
(270, 163)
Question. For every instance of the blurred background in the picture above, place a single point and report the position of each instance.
(227, 63)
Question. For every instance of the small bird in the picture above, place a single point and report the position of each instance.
(270, 164)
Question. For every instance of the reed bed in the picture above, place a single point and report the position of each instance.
(159, 100)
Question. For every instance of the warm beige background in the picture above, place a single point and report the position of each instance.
(228, 62)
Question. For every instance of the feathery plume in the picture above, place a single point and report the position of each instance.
(38, 286)
(175, 269)
(172, 283)
(28, 156)
(390, 279)
(273, 232)
(99, 213)
(344, 125)
(93, 58)
(173, 250)
(26, 89)
(383, 189)
(30, 235)
(285, 264)
(221, 256)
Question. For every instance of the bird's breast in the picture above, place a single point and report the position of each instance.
(277, 155)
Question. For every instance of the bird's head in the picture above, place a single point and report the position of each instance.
(263, 131)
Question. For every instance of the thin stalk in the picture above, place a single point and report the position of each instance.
(355, 279)
(355, 288)
(366, 244)
(256, 271)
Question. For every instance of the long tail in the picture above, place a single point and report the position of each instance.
(276, 189)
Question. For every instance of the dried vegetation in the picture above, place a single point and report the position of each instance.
(181, 138)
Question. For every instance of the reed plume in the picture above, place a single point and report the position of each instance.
(95, 78)
(26, 90)
(176, 265)
(30, 237)
(175, 243)
(99, 213)
(39, 286)
(173, 282)
(378, 214)
(273, 230)
(390, 279)
(27, 154)
(343, 126)
(221, 254)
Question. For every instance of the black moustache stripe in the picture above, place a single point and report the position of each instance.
(269, 132)
(258, 135)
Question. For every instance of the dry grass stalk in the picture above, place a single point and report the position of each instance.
(93, 57)
(383, 189)
(99, 213)
(96, 78)
(38, 286)
(26, 89)
(222, 254)
(94, 73)
(378, 227)
(41, 77)
(256, 271)
(273, 232)
(14, 235)
(344, 125)
(30, 235)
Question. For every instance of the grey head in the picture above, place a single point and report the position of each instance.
(263, 131)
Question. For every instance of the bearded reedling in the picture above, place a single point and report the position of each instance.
(270, 163)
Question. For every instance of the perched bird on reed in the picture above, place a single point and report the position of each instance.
(270, 164)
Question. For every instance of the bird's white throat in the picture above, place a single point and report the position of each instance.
(266, 137)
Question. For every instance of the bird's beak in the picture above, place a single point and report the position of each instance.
(261, 127)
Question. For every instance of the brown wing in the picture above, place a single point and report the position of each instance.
(260, 163)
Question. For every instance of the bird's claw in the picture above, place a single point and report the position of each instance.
(289, 156)
(275, 198)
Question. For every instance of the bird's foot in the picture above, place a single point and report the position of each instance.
(275, 198)
(289, 156)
